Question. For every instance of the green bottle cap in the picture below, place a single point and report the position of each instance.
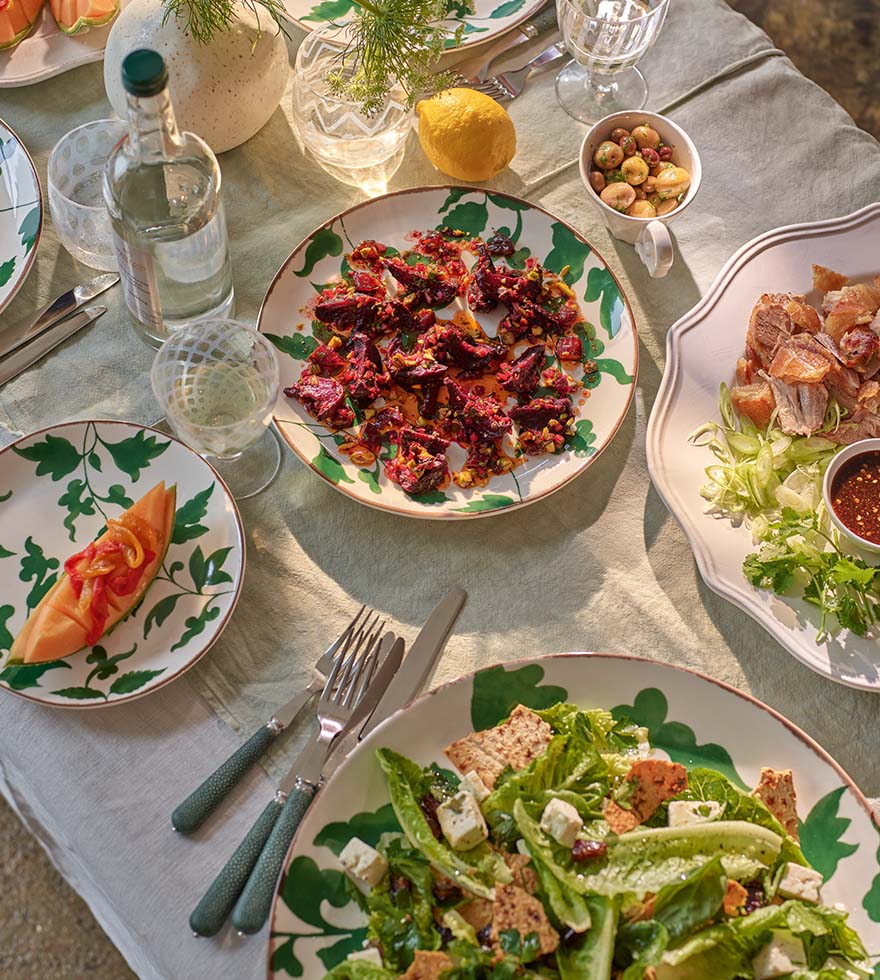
(144, 72)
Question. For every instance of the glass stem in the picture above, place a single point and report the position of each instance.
(603, 84)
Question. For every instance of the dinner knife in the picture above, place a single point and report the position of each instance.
(410, 679)
(257, 860)
(477, 68)
(13, 364)
(23, 333)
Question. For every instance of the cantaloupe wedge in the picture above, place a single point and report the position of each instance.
(75, 16)
(59, 625)
(17, 19)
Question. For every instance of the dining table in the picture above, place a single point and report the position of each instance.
(599, 565)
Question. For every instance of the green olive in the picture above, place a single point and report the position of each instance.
(635, 170)
(608, 155)
(645, 135)
(618, 196)
(642, 209)
(666, 206)
(672, 182)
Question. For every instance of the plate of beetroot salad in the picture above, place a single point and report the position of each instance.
(449, 352)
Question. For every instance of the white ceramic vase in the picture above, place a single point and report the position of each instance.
(226, 90)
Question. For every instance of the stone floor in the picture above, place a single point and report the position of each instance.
(46, 931)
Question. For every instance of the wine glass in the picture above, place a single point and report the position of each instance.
(606, 38)
(217, 381)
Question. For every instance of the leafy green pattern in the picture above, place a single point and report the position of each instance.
(582, 442)
(37, 568)
(871, 901)
(600, 282)
(367, 826)
(22, 676)
(330, 467)
(498, 691)
(489, 501)
(329, 10)
(105, 668)
(29, 229)
(324, 242)
(822, 833)
(297, 346)
(650, 709)
(568, 251)
(6, 270)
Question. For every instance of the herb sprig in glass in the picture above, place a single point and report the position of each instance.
(204, 19)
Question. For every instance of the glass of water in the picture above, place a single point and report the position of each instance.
(76, 200)
(217, 381)
(357, 149)
(605, 39)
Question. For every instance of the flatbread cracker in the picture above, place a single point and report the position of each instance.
(427, 966)
(515, 909)
(523, 875)
(655, 781)
(776, 791)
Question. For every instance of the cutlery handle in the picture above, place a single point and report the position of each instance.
(202, 802)
(209, 915)
(255, 903)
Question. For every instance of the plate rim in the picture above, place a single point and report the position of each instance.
(224, 622)
(735, 593)
(280, 424)
(806, 739)
(30, 258)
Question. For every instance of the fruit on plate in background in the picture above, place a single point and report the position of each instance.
(101, 584)
(465, 134)
(77, 16)
(17, 19)
(226, 78)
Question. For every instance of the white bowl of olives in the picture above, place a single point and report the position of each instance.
(641, 170)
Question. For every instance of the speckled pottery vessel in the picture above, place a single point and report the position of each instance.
(224, 91)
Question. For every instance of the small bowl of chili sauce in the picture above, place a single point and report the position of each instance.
(851, 489)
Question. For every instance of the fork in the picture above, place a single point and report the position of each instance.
(507, 85)
(346, 683)
(202, 802)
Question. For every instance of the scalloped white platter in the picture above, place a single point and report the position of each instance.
(701, 352)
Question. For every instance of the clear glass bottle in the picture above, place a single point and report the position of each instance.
(162, 189)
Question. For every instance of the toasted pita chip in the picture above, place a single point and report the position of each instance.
(734, 898)
(427, 966)
(776, 791)
(523, 875)
(467, 756)
(477, 913)
(825, 279)
(655, 781)
(515, 909)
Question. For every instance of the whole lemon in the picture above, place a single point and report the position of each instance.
(465, 134)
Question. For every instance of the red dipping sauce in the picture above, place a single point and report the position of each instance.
(855, 495)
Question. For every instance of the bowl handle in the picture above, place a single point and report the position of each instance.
(654, 248)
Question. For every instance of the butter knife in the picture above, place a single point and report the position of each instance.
(23, 333)
(12, 365)
(477, 68)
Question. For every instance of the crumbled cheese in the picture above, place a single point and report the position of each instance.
(561, 821)
(462, 821)
(363, 862)
(686, 813)
(522, 847)
(471, 782)
(368, 955)
(781, 956)
(800, 882)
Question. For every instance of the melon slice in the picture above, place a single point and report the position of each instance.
(17, 19)
(59, 625)
(76, 16)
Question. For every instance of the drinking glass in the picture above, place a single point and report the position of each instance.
(76, 199)
(606, 38)
(217, 382)
(361, 150)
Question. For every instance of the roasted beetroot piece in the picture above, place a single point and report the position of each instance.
(428, 404)
(415, 367)
(481, 417)
(324, 398)
(434, 245)
(482, 290)
(558, 381)
(413, 439)
(422, 285)
(522, 375)
(366, 282)
(424, 320)
(368, 252)
(366, 374)
(388, 420)
(527, 319)
(453, 347)
(500, 245)
(544, 424)
(566, 315)
(570, 348)
(328, 361)
(343, 314)
(393, 316)
(515, 286)
(484, 460)
(420, 464)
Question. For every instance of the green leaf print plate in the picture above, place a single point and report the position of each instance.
(609, 338)
(691, 718)
(21, 214)
(489, 19)
(57, 488)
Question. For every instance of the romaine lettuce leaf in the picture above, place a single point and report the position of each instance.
(638, 946)
(684, 906)
(591, 959)
(475, 870)
(359, 970)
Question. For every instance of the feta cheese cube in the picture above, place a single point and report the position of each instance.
(562, 822)
(363, 862)
(800, 882)
(781, 956)
(368, 955)
(461, 821)
(471, 782)
(686, 813)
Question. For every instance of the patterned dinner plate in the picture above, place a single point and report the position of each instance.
(21, 214)
(57, 488)
(489, 19)
(691, 719)
(610, 335)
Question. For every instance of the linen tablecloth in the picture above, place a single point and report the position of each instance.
(600, 565)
